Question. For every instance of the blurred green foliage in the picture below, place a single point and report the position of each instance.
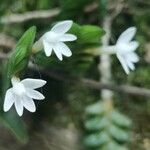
(108, 128)
(83, 63)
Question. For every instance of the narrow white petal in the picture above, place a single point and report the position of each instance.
(19, 106)
(33, 83)
(130, 64)
(133, 57)
(58, 52)
(64, 49)
(9, 100)
(127, 35)
(123, 63)
(68, 37)
(28, 103)
(62, 27)
(133, 45)
(47, 48)
(34, 94)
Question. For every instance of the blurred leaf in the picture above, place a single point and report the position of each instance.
(119, 134)
(97, 123)
(97, 139)
(90, 34)
(120, 120)
(97, 108)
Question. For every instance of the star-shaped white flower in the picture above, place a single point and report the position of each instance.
(125, 49)
(22, 94)
(55, 38)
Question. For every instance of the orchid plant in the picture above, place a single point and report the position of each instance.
(23, 92)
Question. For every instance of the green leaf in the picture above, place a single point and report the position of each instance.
(90, 34)
(120, 119)
(20, 56)
(119, 134)
(16, 125)
(97, 123)
(97, 108)
(97, 139)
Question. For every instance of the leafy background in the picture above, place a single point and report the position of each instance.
(67, 119)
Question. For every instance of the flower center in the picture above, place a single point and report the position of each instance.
(19, 89)
(123, 48)
(51, 37)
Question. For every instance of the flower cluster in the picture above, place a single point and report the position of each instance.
(22, 93)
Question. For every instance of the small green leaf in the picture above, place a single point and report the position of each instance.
(97, 139)
(20, 56)
(97, 123)
(120, 119)
(119, 134)
(97, 108)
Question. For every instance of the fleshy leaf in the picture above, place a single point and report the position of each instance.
(20, 55)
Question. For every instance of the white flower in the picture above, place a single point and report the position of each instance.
(125, 49)
(22, 94)
(55, 38)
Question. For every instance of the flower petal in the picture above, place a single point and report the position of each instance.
(68, 37)
(28, 103)
(62, 27)
(123, 63)
(64, 49)
(130, 64)
(19, 106)
(58, 52)
(34, 94)
(47, 48)
(33, 83)
(133, 45)
(133, 57)
(9, 100)
(127, 35)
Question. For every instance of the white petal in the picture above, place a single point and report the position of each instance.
(34, 94)
(64, 49)
(28, 103)
(68, 37)
(133, 45)
(130, 64)
(33, 83)
(133, 57)
(58, 52)
(123, 63)
(47, 48)
(62, 27)
(19, 106)
(127, 35)
(9, 100)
